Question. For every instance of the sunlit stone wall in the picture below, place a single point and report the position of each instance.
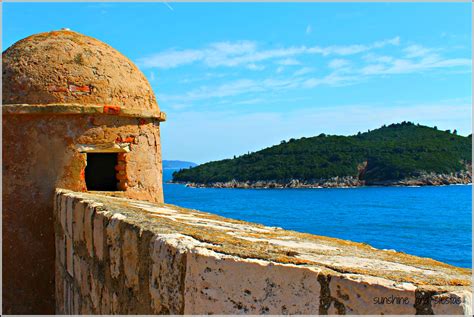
(116, 255)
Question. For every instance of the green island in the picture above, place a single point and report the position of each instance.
(398, 154)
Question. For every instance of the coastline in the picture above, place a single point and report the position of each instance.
(426, 179)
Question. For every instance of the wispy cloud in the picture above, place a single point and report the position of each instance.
(232, 54)
(341, 72)
(309, 29)
(255, 67)
(303, 71)
(288, 62)
(259, 72)
(235, 88)
(406, 65)
(417, 51)
(338, 63)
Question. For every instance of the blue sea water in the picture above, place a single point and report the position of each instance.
(430, 221)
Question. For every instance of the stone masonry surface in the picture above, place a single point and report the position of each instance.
(117, 255)
(68, 67)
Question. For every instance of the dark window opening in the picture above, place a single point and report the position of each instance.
(100, 171)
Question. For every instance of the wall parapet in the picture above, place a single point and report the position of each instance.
(122, 256)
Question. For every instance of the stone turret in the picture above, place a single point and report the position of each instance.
(79, 115)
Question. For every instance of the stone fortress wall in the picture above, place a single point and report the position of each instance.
(117, 255)
(122, 250)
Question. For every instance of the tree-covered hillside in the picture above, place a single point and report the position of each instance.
(391, 152)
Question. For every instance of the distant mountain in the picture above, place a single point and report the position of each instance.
(398, 154)
(170, 164)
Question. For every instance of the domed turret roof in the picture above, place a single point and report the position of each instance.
(65, 67)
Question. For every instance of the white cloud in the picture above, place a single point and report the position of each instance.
(309, 29)
(288, 62)
(373, 69)
(393, 41)
(235, 88)
(416, 51)
(341, 73)
(338, 63)
(303, 71)
(232, 88)
(255, 67)
(374, 58)
(354, 49)
(333, 79)
(232, 54)
(251, 101)
(405, 66)
(230, 48)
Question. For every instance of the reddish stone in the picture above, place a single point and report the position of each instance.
(57, 89)
(74, 88)
(122, 156)
(122, 176)
(111, 109)
(129, 139)
(120, 167)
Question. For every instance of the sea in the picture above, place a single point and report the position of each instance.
(428, 221)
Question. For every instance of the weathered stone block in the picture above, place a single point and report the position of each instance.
(57, 206)
(77, 269)
(69, 214)
(84, 284)
(115, 304)
(99, 235)
(106, 302)
(78, 221)
(63, 212)
(168, 255)
(86, 306)
(76, 309)
(69, 256)
(220, 284)
(96, 291)
(88, 232)
(114, 244)
(65, 296)
(456, 303)
(59, 286)
(367, 295)
(61, 249)
(130, 258)
(68, 298)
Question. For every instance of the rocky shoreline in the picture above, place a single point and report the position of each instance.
(425, 179)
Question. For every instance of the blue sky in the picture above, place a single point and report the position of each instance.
(239, 77)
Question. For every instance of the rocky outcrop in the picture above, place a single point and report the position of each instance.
(424, 179)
